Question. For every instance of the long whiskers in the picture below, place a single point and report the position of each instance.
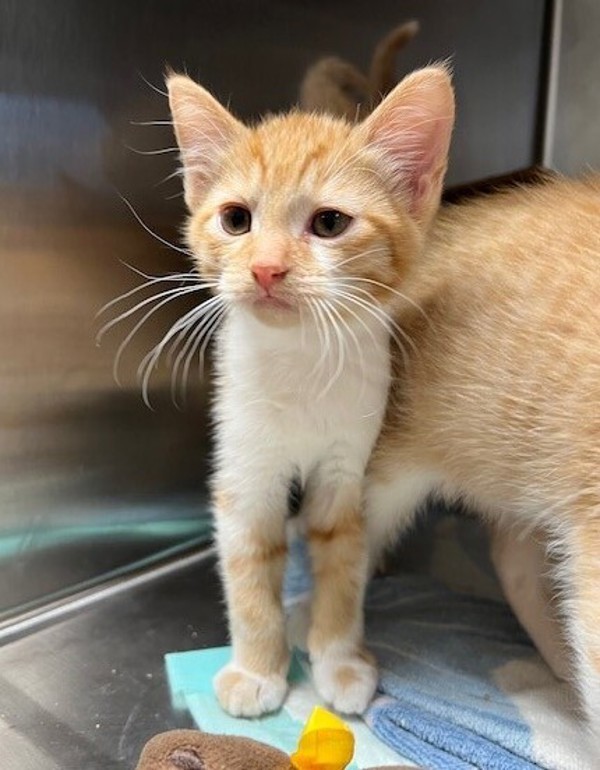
(360, 255)
(180, 278)
(361, 279)
(383, 318)
(151, 232)
(205, 324)
(203, 341)
(341, 346)
(348, 328)
(169, 294)
(178, 330)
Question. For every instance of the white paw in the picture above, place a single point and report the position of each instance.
(346, 682)
(244, 694)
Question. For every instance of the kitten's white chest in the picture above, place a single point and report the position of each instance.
(284, 387)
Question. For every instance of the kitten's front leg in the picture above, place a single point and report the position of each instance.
(344, 672)
(250, 529)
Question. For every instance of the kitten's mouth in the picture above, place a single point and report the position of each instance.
(269, 301)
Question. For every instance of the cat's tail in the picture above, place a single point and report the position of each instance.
(335, 86)
(382, 75)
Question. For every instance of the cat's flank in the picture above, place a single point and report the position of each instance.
(499, 403)
(301, 223)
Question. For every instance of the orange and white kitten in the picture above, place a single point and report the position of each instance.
(302, 222)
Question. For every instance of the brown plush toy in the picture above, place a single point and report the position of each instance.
(194, 750)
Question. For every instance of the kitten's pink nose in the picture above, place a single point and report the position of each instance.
(266, 275)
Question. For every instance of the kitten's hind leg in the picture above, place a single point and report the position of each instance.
(581, 605)
(523, 569)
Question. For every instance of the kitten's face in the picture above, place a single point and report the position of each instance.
(303, 213)
(294, 210)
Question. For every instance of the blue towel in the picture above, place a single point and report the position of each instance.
(438, 651)
(461, 684)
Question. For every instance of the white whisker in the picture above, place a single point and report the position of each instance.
(203, 324)
(140, 323)
(178, 291)
(176, 278)
(207, 333)
(389, 320)
(179, 328)
(151, 232)
(341, 346)
(357, 317)
(379, 315)
(152, 86)
(354, 338)
(325, 337)
(368, 253)
(351, 279)
(160, 151)
(151, 122)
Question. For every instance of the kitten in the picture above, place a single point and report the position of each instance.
(316, 230)
(300, 222)
(499, 400)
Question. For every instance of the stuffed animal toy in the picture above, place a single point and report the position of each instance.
(326, 743)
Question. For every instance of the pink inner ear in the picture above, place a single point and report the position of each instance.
(204, 130)
(412, 129)
(424, 173)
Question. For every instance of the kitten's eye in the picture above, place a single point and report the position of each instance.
(329, 222)
(236, 220)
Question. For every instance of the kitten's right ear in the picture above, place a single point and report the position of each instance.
(204, 130)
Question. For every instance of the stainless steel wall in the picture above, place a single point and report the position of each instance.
(91, 481)
(575, 121)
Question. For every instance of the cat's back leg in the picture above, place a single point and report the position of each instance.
(580, 575)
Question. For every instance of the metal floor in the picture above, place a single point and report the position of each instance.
(87, 691)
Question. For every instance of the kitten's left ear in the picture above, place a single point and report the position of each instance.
(411, 131)
(205, 131)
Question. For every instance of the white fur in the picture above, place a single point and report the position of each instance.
(391, 506)
(355, 696)
(282, 412)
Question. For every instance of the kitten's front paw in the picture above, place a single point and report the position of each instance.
(244, 694)
(348, 682)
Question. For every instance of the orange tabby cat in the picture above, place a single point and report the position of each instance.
(499, 401)
(299, 224)
(315, 230)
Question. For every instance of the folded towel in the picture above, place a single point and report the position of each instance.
(461, 685)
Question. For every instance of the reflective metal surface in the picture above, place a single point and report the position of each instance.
(86, 693)
(576, 143)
